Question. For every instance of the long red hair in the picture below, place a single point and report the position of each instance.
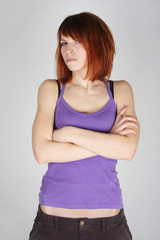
(96, 37)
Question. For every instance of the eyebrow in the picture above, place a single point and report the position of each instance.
(62, 39)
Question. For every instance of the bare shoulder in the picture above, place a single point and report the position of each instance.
(123, 95)
(121, 83)
(48, 83)
(47, 94)
(122, 86)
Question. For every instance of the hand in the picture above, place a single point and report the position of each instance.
(123, 123)
(60, 135)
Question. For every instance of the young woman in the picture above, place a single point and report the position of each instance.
(84, 123)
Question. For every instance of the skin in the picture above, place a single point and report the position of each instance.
(49, 144)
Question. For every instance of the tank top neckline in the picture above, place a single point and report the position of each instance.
(88, 114)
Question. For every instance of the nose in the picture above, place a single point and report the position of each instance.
(70, 48)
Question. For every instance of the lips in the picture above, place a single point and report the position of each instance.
(71, 59)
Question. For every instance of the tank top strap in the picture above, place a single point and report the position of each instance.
(108, 88)
(60, 89)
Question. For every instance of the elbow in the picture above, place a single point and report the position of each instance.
(130, 156)
(38, 157)
(39, 160)
(43, 152)
(131, 153)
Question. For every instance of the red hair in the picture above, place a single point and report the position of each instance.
(96, 38)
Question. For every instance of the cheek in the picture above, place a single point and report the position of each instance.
(62, 52)
(82, 52)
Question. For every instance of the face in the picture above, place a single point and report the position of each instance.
(73, 53)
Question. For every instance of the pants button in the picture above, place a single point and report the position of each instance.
(81, 222)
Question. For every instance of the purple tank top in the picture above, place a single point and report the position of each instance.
(88, 183)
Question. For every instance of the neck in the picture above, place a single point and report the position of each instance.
(78, 79)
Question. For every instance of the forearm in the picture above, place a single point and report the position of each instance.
(109, 145)
(52, 151)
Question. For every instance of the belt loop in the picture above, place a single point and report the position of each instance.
(103, 225)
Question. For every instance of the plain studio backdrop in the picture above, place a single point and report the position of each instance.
(28, 44)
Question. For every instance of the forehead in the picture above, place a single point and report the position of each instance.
(66, 37)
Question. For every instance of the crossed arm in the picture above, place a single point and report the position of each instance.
(120, 143)
(105, 144)
(72, 143)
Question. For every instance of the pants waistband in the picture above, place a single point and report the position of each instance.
(82, 222)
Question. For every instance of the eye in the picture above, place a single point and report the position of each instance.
(63, 43)
(77, 41)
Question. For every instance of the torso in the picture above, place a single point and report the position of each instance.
(97, 95)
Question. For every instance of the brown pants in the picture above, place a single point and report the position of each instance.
(48, 227)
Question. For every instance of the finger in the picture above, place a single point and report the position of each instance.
(128, 118)
(127, 131)
(123, 123)
(127, 124)
(120, 114)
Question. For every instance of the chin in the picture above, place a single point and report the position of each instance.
(74, 69)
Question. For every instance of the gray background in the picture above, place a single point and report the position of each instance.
(28, 44)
